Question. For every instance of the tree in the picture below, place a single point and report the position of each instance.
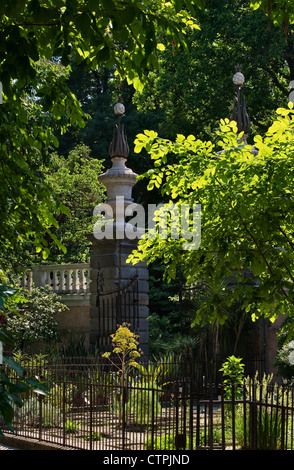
(94, 90)
(97, 91)
(246, 214)
(76, 184)
(282, 12)
(118, 34)
(195, 91)
(36, 105)
(27, 141)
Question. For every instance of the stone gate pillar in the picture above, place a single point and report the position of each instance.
(111, 245)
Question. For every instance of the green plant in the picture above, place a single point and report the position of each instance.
(126, 349)
(263, 413)
(269, 420)
(269, 430)
(168, 442)
(74, 347)
(71, 426)
(138, 396)
(51, 415)
(139, 402)
(11, 391)
(33, 320)
(158, 372)
(75, 184)
(284, 360)
(60, 395)
(230, 182)
(233, 372)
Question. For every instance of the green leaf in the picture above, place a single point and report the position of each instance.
(83, 22)
(103, 54)
(13, 365)
(160, 47)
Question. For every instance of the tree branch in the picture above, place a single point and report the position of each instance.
(287, 238)
(276, 80)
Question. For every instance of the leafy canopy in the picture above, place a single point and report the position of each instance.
(120, 34)
(75, 183)
(247, 214)
(195, 90)
(28, 121)
(37, 102)
(281, 11)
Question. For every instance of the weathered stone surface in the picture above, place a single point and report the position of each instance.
(109, 255)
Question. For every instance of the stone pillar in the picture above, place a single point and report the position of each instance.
(110, 249)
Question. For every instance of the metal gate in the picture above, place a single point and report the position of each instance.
(114, 308)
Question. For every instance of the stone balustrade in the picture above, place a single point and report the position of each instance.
(63, 279)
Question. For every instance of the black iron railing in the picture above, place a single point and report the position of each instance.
(114, 308)
(91, 406)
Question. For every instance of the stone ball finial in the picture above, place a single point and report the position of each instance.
(119, 109)
(240, 114)
(238, 79)
(119, 147)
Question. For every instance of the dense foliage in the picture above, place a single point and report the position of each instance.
(246, 214)
(27, 140)
(195, 90)
(37, 101)
(29, 318)
(75, 182)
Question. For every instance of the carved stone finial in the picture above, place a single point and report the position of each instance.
(240, 114)
(118, 180)
(119, 147)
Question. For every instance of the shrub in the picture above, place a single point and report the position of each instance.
(32, 320)
(233, 372)
(71, 427)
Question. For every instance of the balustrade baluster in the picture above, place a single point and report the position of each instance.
(55, 281)
(24, 280)
(76, 280)
(68, 280)
(47, 279)
(43, 278)
(83, 286)
(63, 279)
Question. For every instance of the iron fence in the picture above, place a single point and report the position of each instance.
(155, 407)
